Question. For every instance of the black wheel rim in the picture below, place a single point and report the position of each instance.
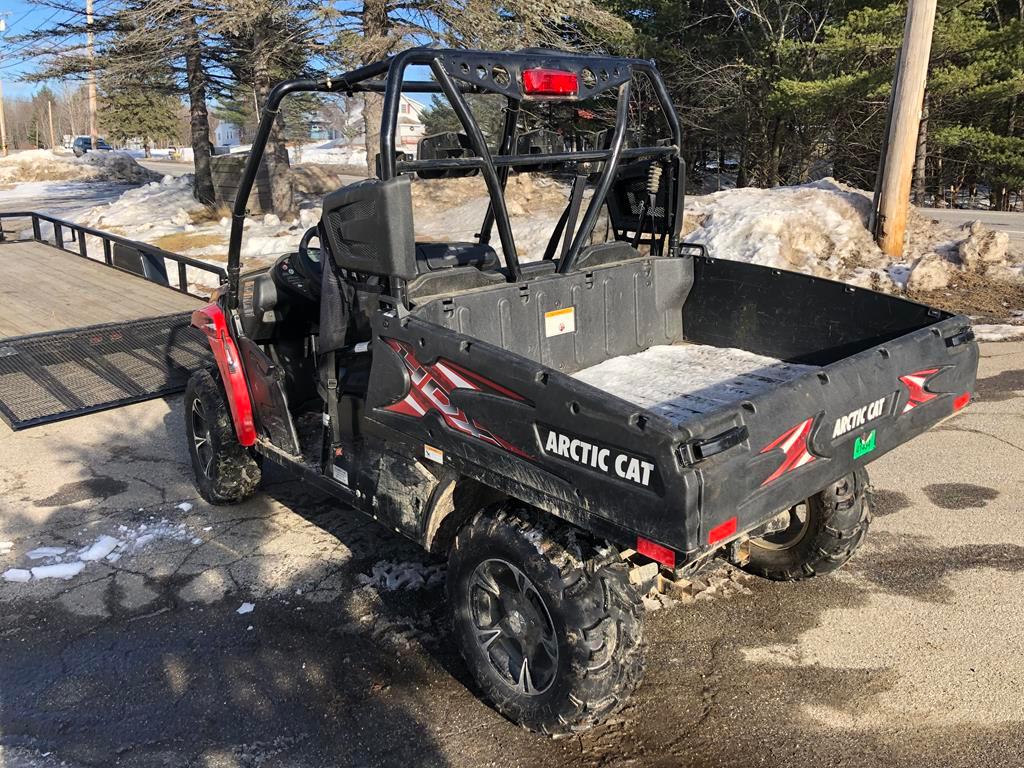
(512, 627)
(201, 441)
(797, 523)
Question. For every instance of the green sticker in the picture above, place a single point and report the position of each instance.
(864, 444)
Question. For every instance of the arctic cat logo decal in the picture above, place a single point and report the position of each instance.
(431, 386)
(858, 418)
(610, 461)
(793, 442)
(916, 384)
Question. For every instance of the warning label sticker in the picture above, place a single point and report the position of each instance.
(559, 321)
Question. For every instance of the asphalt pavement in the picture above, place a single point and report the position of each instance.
(912, 655)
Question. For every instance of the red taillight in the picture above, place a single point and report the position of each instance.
(722, 531)
(962, 401)
(656, 552)
(550, 82)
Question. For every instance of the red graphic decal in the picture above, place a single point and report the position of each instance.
(915, 384)
(432, 386)
(793, 443)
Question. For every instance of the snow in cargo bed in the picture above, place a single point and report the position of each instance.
(682, 380)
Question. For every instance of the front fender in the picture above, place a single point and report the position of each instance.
(212, 322)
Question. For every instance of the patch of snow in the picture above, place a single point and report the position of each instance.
(185, 506)
(17, 574)
(58, 571)
(245, 608)
(40, 552)
(6, 546)
(998, 332)
(391, 576)
(99, 549)
(681, 380)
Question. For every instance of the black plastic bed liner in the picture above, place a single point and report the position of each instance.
(49, 377)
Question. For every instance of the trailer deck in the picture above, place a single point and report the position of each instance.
(84, 331)
(43, 288)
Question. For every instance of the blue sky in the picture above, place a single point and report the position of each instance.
(23, 17)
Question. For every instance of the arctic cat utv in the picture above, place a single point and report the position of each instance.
(549, 420)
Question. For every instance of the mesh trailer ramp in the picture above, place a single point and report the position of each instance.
(85, 331)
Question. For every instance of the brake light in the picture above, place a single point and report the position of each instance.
(722, 531)
(656, 552)
(962, 401)
(550, 82)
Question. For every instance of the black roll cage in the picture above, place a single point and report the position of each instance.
(458, 72)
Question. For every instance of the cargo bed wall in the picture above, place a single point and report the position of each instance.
(609, 311)
(790, 316)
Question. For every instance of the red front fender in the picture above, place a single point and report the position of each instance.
(211, 321)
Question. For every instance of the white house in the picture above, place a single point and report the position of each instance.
(226, 134)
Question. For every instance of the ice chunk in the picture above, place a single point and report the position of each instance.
(185, 506)
(61, 571)
(40, 552)
(196, 542)
(245, 608)
(17, 574)
(113, 557)
(100, 548)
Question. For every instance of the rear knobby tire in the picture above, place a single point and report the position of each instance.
(836, 522)
(580, 613)
(225, 471)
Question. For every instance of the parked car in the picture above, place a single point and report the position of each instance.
(83, 144)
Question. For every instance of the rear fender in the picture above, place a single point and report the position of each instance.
(211, 321)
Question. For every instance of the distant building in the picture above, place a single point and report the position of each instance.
(227, 134)
(347, 136)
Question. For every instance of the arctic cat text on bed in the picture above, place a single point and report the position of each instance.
(548, 420)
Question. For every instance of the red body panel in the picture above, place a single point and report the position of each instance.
(211, 321)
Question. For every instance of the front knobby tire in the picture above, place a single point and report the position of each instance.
(550, 628)
(822, 533)
(225, 472)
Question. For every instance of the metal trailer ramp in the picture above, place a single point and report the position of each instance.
(91, 321)
(54, 376)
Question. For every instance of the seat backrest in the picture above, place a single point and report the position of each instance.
(369, 227)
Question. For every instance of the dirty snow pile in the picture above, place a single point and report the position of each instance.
(59, 562)
(681, 380)
(820, 228)
(45, 165)
(452, 209)
(167, 208)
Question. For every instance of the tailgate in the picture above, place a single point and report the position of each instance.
(815, 429)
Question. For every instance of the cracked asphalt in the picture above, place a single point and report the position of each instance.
(912, 655)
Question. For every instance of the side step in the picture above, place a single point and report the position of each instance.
(49, 377)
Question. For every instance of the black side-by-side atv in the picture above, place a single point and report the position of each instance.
(539, 418)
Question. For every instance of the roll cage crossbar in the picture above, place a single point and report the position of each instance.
(457, 73)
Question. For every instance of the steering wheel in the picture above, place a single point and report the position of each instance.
(304, 245)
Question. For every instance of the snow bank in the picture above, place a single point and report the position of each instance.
(44, 165)
(821, 229)
(817, 228)
(683, 380)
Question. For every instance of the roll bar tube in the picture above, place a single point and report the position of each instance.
(388, 76)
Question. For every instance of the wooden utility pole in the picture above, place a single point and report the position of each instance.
(3, 123)
(49, 112)
(893, 185)
(93, 132)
